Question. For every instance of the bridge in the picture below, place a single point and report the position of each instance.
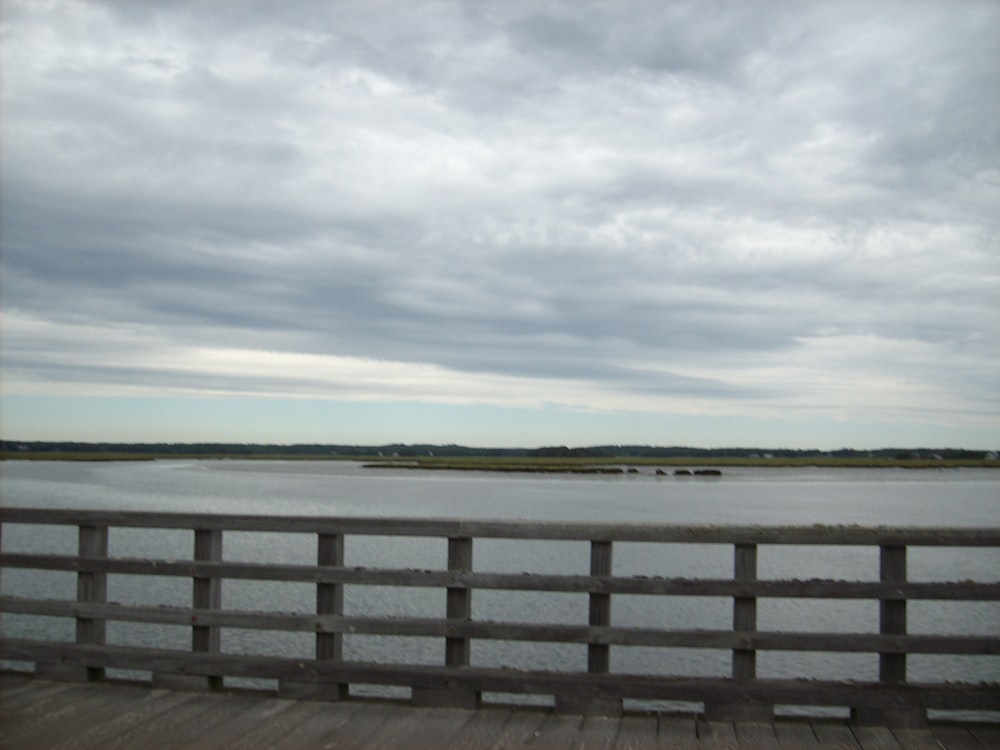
(739, 709)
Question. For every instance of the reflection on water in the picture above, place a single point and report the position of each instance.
(954, 498)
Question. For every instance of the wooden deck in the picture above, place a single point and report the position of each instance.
(36, 713)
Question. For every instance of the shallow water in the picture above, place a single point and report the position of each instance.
(963, 497)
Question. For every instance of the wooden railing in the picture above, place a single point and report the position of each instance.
(891, 699)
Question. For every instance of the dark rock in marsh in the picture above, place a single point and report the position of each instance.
(682, 473)
(708, 472)
(660, 472)
(632, 470)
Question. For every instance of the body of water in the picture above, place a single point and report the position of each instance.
(954, 497)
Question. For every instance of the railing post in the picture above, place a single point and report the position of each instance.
(598, 654)
(91, 587)
(459, 601)
(457, 650)
(745, 611)
(744, 661)
(206, 594)
(329, 646)
(892, 612)
(891, 666)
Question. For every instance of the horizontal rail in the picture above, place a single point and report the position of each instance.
(649, 585)
(650, 687)
(512, 631)
(538, 530)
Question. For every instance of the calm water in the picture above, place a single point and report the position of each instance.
(761, 496)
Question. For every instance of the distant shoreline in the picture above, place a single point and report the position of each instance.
(609, 465)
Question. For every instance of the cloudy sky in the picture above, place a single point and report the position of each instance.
(502, 223)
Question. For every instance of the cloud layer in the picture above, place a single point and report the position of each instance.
(762, 209)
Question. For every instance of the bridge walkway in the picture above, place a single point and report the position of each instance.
(37, 713)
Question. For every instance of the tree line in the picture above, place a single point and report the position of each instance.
(11, 448)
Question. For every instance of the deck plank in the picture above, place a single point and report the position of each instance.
(598, 733)
(558, 732)
(677, 732)
(106, 730)
(247, 722)
(956, 738)
(482, 730)
(835, 734)
(876, 738)
(795, 735)
(716, 735)
(323, 724)
(358, 731)
(34, 694)
(637, 732)
(421, 729)
(916, 739)
(520, 729)
(184, 724)
(266, 736)
(67, 714)
(13, 683)
(989, 736)
(38, 713)
(756, 736)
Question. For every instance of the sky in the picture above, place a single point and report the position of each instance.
(501, 223)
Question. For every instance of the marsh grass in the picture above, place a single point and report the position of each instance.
(619, 465)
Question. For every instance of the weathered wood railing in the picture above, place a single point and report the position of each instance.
(891, 699)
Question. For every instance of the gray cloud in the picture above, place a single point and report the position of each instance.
(658, 199)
